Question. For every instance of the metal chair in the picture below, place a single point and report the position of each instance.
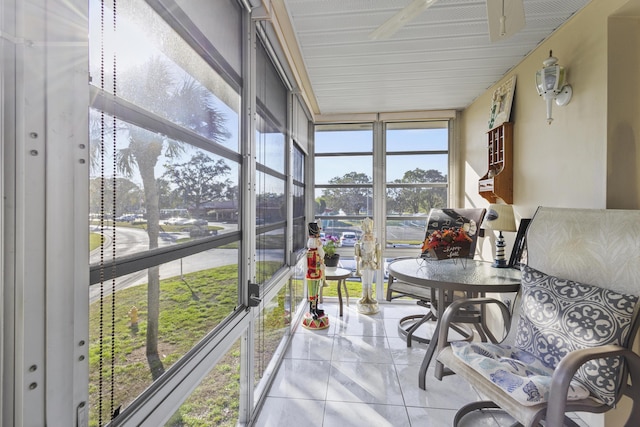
(408, 325)
(581, 278)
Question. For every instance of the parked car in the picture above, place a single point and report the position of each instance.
(348, 238)
(126, 218)
(139, 219)
(176, 220)
(196, 221)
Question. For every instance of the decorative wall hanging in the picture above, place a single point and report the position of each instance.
(501, 103)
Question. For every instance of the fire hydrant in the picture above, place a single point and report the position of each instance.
(133, 315)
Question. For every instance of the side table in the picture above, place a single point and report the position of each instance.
(339, 274)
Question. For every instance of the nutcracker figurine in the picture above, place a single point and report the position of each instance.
(315, 318)
(368, 253)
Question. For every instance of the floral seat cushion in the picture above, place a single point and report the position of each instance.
(516, 371)
(558, 316)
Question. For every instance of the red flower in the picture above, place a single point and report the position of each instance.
(445, 238)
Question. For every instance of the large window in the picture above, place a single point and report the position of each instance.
(344, 184)
(343, 176)
(414, 178)
(417, 165)
(298, 190)
(164, 202)
(271, 161)
(159, 162)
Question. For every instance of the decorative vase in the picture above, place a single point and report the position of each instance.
(331, 261)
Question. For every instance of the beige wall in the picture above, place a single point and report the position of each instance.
(562, 164)
(589, 156)
(623, 154)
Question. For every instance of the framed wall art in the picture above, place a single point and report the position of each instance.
(501, 103)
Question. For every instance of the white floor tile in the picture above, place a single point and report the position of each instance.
(434, 417)
(310, 346)
(450, 393)
(359, 372)
(505, 420)
(364, 382)
(430, 417)
(301, 379)
(399, 310)
(342, 414)
(356, 324)
(280, 412)
(361, 349)
(403, 355)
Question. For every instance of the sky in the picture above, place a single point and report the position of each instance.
(131, 46)
(397, 142)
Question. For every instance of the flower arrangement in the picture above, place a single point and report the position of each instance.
(331, 258)
(445, 237)
(330, 246)
(447, 243)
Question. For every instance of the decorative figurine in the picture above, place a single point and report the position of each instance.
(368, 253)
(315, 318)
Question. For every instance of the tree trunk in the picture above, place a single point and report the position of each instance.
(146, 160)
(153, 302)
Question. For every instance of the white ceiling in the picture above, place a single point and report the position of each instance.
(442, 59)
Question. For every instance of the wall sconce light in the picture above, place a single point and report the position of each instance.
(551, 84)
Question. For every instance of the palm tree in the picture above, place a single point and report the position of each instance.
(181, 100)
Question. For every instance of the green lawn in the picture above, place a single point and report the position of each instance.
(95, 240)
(354, 288)
(189, 309)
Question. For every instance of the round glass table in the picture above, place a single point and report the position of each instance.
(443, 281)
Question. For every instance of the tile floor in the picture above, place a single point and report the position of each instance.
(360, 372)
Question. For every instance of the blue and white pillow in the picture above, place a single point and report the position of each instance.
(559, 316)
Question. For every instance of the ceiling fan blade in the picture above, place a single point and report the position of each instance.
(398, 20)
(505, 17)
